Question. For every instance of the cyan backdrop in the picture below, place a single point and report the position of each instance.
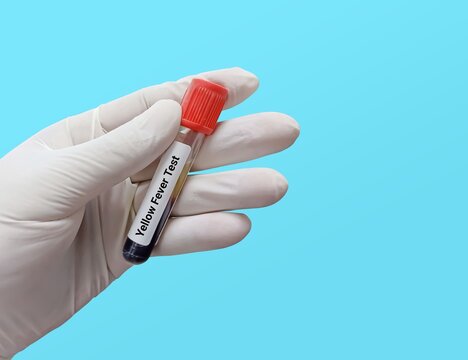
(365, 258)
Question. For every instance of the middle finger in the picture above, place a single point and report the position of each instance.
(241, 139)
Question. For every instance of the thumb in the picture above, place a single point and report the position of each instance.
(96, 165)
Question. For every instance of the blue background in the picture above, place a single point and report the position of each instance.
(365, 258)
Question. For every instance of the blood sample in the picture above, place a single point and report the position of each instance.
(201, 106)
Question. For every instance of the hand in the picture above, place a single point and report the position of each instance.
(69, 195)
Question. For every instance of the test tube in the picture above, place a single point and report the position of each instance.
(201, 106)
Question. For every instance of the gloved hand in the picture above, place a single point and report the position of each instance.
(69, 195)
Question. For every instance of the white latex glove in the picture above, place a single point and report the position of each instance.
(69, 195)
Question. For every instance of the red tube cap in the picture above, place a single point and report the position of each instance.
(202, 103)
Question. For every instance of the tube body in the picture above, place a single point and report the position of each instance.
(161, 196)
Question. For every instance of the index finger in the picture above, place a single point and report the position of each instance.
(239, 82)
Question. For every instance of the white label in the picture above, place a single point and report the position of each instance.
(159, 192)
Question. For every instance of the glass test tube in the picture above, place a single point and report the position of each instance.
(201, 106)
